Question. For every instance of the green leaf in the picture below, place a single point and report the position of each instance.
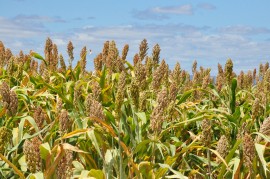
(233, 98)
(38, 175)
(177, 174)
(260, 150)
(185, 96)
(228, 158)
(142, 145)
(142, 116)
(98, 174)
(45, 150)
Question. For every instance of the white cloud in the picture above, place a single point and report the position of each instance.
(181, 42)
(183, 9)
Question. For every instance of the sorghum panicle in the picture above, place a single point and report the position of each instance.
(134, 92)
(54, 63)
(136, 59)
(96, 90)
(2, 54)
(105, 51)
(223, 146)
(156, 54)
(248, 150)
(70, 52)
(13, 104)
(32, 153)
(5, 136)
(39, 117)
(83, 59)
(125, 52)
(206, 132)
(63, 67)
(8, 55)
(98, 62)
(120, 91)
(229, 71)
(149, 66)
(264, 129)
(48, 51)
(143, 49)
(64, 167)
(64, 121)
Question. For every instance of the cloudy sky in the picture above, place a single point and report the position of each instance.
(187, 30)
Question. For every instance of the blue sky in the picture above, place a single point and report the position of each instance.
(187, 30)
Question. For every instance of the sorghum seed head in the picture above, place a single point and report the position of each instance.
(149, 66)
(5, 92)
(134, 92)
(105, 51)
(98, 62)
(13, 104)
(64, 121)
(156, 54)
(8, 54)
(63, 67)
(206, 132)
(143, 49)
(240, 80)
(264, 129)
(125, 52)
(64, 167)
(229, 71)
(83, 58)
(5, 136)
(223, 146)
(96, 90)
(32, 153)
(136, 59)
(39, 117)
(194, 67)
(248, 150)
(70, 50)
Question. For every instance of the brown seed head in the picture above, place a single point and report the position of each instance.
(98, 62)
(206, 132)
(5, 136)
(13, 104)
(176, 74)
(105, 51)
(64, 122)
(125, 52)
(8, 55)
(5, 93)
(134, 92)
(64, 167)
(136, 59)
(143, 49)
(83, 58)
(264, 129)
(156, 54)
(32, 153)
(194, 67)
(229, 71)
(248, 150)
(223, 146)
(240, 80)
(2, 54)
(70, 52)
(96, 90)
(54, 62)
(39, 117)
(63, 67)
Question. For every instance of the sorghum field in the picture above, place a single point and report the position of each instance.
(130, 120)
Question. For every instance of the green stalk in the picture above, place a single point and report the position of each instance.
(209, 163)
